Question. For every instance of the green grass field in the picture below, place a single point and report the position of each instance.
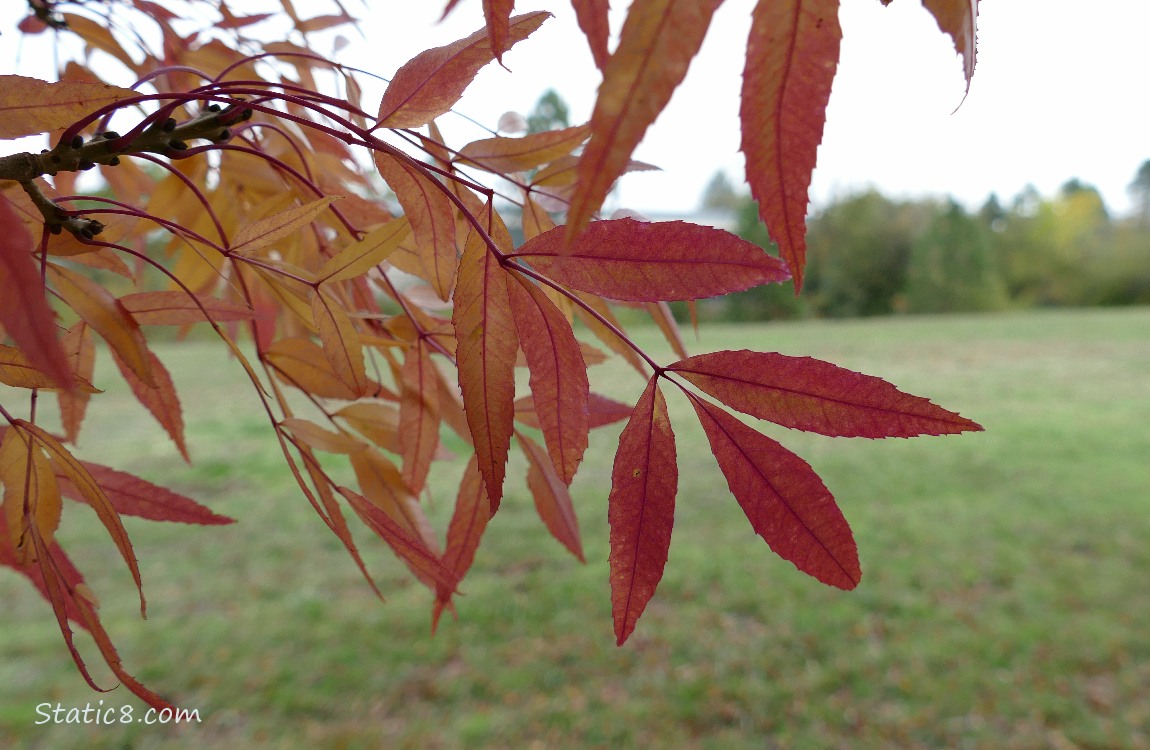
(1004, 604)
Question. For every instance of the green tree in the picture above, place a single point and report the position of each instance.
(550, 113)
(858, 249)
(952, 267)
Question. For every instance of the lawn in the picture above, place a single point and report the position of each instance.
(1004, 601)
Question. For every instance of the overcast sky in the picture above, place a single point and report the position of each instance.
(1060, 91)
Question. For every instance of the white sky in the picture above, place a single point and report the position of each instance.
(1060, 91)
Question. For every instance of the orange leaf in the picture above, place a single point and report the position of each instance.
(340, 343)
(18, 372)
(502, 155)
(177, 308)
(100, 37)
(592, 16)
(333, 516)
(784, 499)
(642, 261)
(558, 380)
(959, 18)
(383, 485)
(29, 105)
(432, 216)
(487, 342)
(418, 415)
(641, 508)
(24, 313)
(66, 464)
(272, 229)
(360, 257)
(158, 397)
(31, 495)
(81, 354)
(319, 438)
(104, 313)
(658, 41)
(379, 423)
(469, 519)
(792, 54)
(536, 221)
(497, 14)
(433, 81)
(303, 364)
(130, 495)
(816, 396)
(660, 312)
(605, 334)
(552, 497)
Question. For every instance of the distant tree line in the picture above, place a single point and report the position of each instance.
(871, 255)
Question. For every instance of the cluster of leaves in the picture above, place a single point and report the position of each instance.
(244, 185)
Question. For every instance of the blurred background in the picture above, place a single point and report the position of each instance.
(994, 258)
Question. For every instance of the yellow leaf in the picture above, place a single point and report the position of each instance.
(16, 371)
(272, 229)
(360, 257)
(31, 495)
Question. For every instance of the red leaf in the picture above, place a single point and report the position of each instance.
(792, 54)
(552, 497)
(62, 593)
(177, 308)
(35, 574)
(643, 261)
(132, 496)
(24, 313)
(159, 398)
(431, 82)
(641, 508)
(497, 13)
(601, 411)
(816, 396)
(431, 214)
(382, 484)
(658, 41)
(592, 16)
(418, 415)
(472, 511)
(487, 342)
(784, 499)
(558, 380)
(959, 18)
(409, 548)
